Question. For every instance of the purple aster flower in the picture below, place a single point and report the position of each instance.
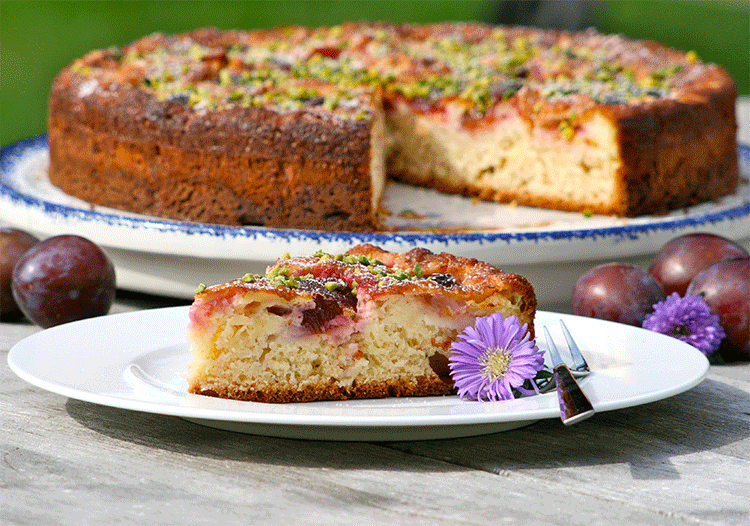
(688, 319)
(494, 357)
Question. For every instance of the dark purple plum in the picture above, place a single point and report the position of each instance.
(62, 279)
(725, 287)
(616, 292)
(681, 259)
(13, 244)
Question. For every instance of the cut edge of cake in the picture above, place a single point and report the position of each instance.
(369, 324)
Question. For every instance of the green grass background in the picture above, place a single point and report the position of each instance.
(38, 38)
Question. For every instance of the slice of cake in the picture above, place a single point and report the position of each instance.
(365, 324)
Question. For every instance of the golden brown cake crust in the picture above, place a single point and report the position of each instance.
(467, 278)
(241, 166)
(474, 279)
(331, 391)
(212, 139)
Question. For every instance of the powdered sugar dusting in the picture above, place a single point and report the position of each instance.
(87, 88)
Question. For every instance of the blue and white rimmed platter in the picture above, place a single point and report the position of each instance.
(551, 248)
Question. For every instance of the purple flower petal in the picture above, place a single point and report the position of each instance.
(689, 319)
(474, 378)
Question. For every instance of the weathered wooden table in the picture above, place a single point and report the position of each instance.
(683, 460)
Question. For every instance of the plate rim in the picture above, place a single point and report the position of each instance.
(30, 344)
(10, 153)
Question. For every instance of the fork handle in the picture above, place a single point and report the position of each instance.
(574, 404)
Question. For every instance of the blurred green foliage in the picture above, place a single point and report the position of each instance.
(719, 31)
(39, 38)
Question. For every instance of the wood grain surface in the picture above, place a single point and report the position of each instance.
(683, 460)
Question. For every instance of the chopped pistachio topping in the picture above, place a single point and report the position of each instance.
(334, 285)
(279, 276)
(375, 267)
(325, 72)
(566, 130)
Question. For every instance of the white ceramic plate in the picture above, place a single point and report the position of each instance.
(172, 257)
(137, 360)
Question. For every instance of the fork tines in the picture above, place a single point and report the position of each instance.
(579, 362)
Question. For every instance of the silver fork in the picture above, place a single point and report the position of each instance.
(579, 367)
(574, 404)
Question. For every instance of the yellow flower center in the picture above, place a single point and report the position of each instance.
(496, 362)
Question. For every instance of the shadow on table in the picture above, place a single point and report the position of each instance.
(711, 416)
(169, 433)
